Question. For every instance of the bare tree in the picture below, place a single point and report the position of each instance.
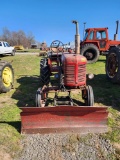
(6, 36)
(17, 38)
(31, 39)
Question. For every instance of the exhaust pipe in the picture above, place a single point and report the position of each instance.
(84, 29)
(116, 35)
(77, 38)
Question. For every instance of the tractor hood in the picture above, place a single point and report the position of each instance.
(73, 58)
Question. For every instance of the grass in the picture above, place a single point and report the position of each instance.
(26, 71)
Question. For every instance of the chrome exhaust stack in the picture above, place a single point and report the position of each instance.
(77, 38)
(116, 34)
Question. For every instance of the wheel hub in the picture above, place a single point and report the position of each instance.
(7, 77)
(89, 55)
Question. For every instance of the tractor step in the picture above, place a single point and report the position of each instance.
(63, 100)
(64, 119)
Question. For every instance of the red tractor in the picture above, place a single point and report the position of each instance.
(69, 70)
(62, 73)
(96, 42)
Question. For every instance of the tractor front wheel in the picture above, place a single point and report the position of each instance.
(44, 72)
(6, 76)
(38, 98)
(91, 52)
(113, 65)
(88, 96)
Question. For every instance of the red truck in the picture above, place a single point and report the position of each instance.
(96, 42)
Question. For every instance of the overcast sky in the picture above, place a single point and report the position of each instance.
(50, 20)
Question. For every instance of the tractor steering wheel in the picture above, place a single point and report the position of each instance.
(57, 46)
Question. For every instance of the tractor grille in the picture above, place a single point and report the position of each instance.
(81, 73)
(71, 77)
(69, 74)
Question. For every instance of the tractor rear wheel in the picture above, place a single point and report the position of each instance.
(88, 96)
(6, 76)
(113, 65)
(91, 52)
(44, 72)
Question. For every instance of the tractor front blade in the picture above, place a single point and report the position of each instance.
(64, 119)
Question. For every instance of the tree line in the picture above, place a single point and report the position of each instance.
(18, 38)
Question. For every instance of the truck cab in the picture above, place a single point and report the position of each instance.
(97, 36)
(5, 48)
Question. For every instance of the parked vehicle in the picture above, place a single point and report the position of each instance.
(19, 47)
(96, 42)
(5, 48)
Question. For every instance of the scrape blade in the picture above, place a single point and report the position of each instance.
(64, 119)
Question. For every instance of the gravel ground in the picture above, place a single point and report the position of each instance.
(66, 147)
